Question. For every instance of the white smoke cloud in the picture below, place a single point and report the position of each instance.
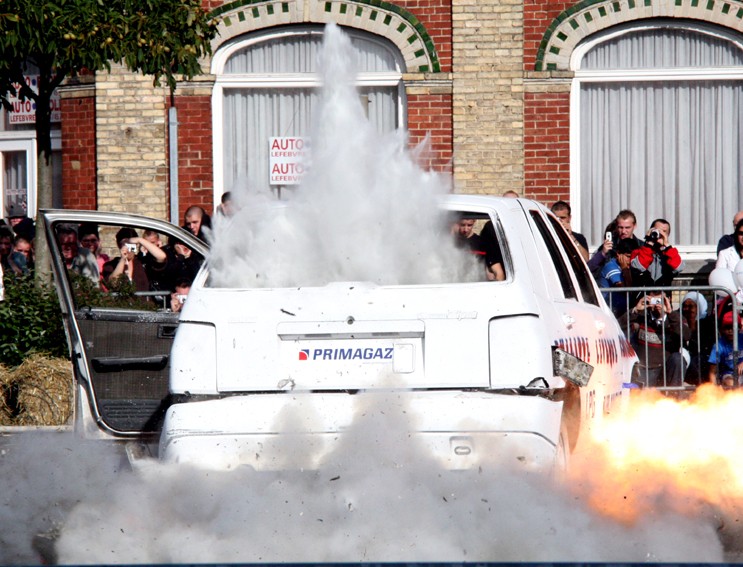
(378, 498)
(365, 212)
(43, 476)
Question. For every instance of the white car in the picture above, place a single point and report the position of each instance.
(508, 370)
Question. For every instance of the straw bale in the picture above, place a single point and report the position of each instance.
(6, 412)
(41, 389)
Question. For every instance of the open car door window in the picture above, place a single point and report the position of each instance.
(117, 276)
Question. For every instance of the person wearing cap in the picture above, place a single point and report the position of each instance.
(722, 367)
(182, 263)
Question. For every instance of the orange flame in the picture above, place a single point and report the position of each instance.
(686, 456)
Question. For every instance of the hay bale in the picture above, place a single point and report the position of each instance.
(7, 409)
(37, 392)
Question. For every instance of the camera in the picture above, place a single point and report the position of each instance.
(653, 235)
(656, 301)
(181, 297)
(608, 236)
(131, 247)
(653, 238)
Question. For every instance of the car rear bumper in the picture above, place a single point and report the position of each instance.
(459, 430)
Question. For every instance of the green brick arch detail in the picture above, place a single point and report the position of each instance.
(353, 6)
(590, 16)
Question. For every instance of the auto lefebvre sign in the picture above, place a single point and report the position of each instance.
(24, 110)
(289, 158)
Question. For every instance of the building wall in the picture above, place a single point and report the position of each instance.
(195, 173)
(488, 96)
(131, 150)
(421, 29)
(552, 30)
(538, 16)
(430, 122)
(546, 111)
(79, 148)
(547, 143)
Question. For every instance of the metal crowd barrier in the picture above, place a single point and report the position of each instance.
(678, 361)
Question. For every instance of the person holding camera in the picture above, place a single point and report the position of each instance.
(179, 296)
(129, 264)
(657, 333)
(621, 228)
(656, 262)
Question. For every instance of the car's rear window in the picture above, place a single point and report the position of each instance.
(280, 249)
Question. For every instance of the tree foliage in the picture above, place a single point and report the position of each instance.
(63, 38)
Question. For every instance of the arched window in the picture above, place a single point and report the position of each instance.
(267, 86)
(658, 122)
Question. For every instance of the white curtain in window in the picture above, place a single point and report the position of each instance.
(253, 114)
(669, 148)
(14, 174)
(251, 117)
(15, 189)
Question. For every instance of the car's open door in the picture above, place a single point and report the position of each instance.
(119, 335)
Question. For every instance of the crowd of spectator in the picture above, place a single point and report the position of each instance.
(161, 273)
(141, 263)
(676, 347)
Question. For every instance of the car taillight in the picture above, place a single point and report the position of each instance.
(193, 359)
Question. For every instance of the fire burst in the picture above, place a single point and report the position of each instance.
(686, 456)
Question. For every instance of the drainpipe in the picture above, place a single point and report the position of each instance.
(173, 154)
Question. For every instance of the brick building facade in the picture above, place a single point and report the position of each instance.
(489, 80)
